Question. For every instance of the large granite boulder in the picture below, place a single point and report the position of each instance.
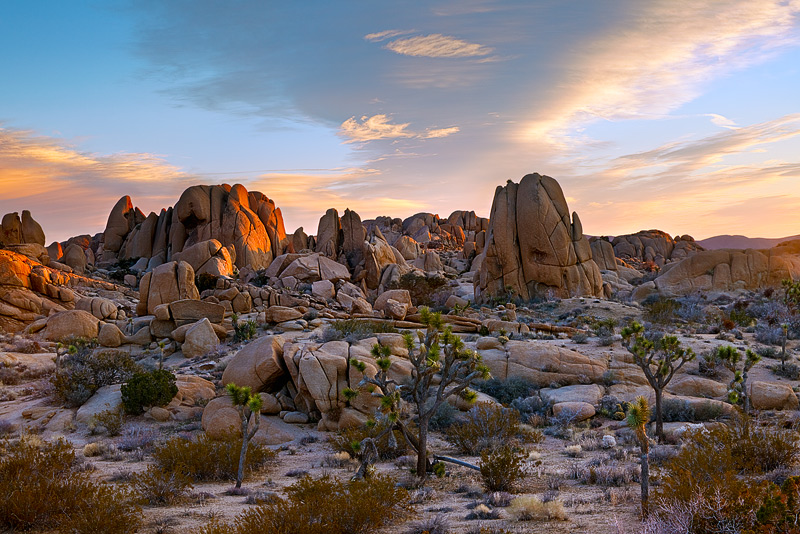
(533, 247)
(166, 284)
(71, 323)
(258, 365)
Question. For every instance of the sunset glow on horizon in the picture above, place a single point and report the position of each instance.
(681, 116)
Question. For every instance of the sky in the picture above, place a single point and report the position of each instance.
(678, 115)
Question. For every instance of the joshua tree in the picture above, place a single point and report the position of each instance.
(737, 389)
(637, 418)
(441, 368)
(249, 406)
(659, 361)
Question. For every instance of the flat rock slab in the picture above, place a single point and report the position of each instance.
(190, 311)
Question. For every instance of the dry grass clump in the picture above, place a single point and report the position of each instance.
(161, 488)
(532, 508)
(43, 486)
(205, 459)
(488, 427)
(324, 506)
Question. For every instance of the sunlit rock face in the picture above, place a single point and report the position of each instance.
(533, 247)
(247, 224)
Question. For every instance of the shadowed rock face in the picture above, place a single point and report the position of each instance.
(533, 247)
(246, 223)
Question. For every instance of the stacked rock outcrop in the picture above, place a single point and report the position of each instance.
(653, 246)
(533, 247)
(205, 220)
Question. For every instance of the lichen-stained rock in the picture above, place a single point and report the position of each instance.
(533, 247)
(165, 284)
(258, 365)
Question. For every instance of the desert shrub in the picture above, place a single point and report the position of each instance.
(206, 281)
(692, 308)
(82, 371)
(143, 390)
(531, 508)
(768, 352)
(325, 506)
(205, 459)
(499, 499)
(769, 335)
(137, 437)
(482, 511)
(660, 309)
(422, 288)
(502, 468)
(243, 331)
(349, 441)
(789, 370)
(505, 391)
(739, 315)
(110, 420)
(43, 486)
(580, 337)
(677, 410)
(486, 426)
(708, 364)
(353, 330)
(437, 524)
(608, 475)
(445, 417)
(716, 478)
(157, 487)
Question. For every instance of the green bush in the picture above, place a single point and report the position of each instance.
(661, 309)
(205, 459)
(43, 487)
(503, 468)
(354, 330)
(325, 506)
(83, 370)
(143, 390)
(243, 331)
(676, 410)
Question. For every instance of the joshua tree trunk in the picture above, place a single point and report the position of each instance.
(242, 453)
(659, 416)
(422, 451)
(645, 481)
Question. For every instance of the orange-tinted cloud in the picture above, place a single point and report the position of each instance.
(71, 192)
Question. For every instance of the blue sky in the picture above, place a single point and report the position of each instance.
(670, 114)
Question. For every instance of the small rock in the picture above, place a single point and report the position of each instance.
(295, 418)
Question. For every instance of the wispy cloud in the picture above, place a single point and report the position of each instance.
(660, 58)
(380, 126)
(438, 46)
(71, 192)
(387, 34)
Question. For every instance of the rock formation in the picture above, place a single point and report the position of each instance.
(653, 246)
(246, 224)
(533, 247)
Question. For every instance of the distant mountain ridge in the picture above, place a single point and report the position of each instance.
(742, 242)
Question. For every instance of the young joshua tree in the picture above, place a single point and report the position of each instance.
(737, 389)
(637, 418)
(441, 368)
(659, 361)
(249, 406)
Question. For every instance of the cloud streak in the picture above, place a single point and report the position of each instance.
(438, 46)
(70, 192)
(378, 127)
